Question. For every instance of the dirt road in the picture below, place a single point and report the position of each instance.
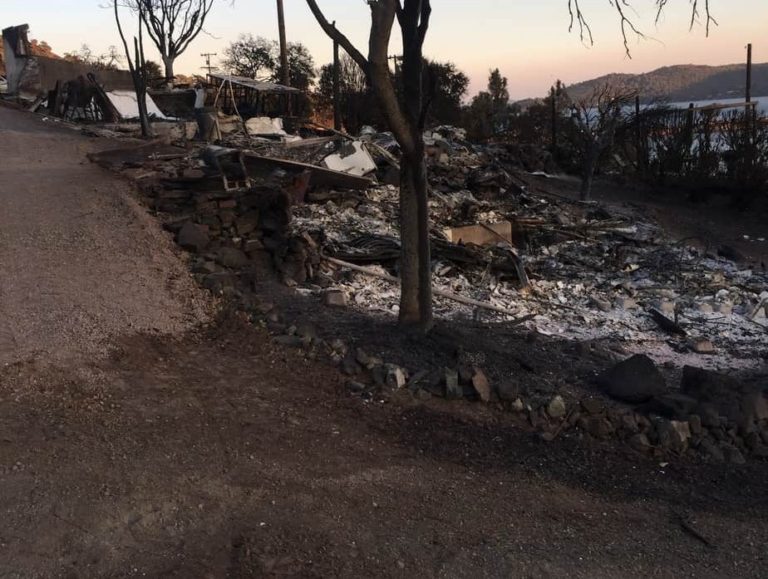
(213, 453)
(81, 262)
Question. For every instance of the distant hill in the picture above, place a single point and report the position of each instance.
(685, 82)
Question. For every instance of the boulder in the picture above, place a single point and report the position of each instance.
(453, 390)
(481, 385)
(556, 407)
(193, 237)
(741, 403)
(673, 405)
(231, 257)
(634, 380)
(508, 391)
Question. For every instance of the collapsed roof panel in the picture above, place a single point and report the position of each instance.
(127, 106)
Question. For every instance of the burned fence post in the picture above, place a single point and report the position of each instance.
(336, 85)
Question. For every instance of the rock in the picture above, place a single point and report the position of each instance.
(725, 308)
(306, 331)
(231, 257)
(754, 405)
(517, 405)
(629, 422)
(205, 267)
(290, 341)
(252, 246)
(356, 387)
(710, 417)
(217, 282)
(694, 422)
(601, 304)
(640, 443)
(752, 440)
(673, 405)
(193, 237)
(711, 449)
(453, 390)
(739, 402)
(434, 384)
(557, 407)
(423, 395)
(367, 361)
(396, 377)
(673, 435)
(597, 426)
(247, 222)
(625, 303)
(466, 373)
(703, 347)
(666, 307)
(508, 391)
(732, 454)
(634, 380)
(682, 428)
(335, 299)
(379, 376)
(339, 347)
(416, 380)
(481, 385)
(593, 406)
(349, 366)
(731, 253)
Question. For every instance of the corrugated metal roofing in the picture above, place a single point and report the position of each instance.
(258, 85)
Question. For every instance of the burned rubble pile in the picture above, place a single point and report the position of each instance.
(505, 253)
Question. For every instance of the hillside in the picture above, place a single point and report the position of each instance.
(686, 82)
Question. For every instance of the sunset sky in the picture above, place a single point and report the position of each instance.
(528, 41)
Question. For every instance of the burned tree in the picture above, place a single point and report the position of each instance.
(138, 67)
(406, 119)
(596, 120)
(172, 25)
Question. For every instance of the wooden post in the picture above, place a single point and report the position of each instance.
(285, 72)
(749, 73)
(336, 85)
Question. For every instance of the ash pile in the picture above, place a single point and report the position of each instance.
(561, 268)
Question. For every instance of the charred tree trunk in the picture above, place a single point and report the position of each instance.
(168, 62)
(406, 119)
(138, 67)
(415, 260)
(588, 175)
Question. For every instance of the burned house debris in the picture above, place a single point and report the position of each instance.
(506, 253)
(70, 90)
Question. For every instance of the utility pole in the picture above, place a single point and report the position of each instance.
(285, 73)
(749, 72)
(207, 56)
(336, 85)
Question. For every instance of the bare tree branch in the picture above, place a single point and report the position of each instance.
(335, 34)
(628, 27)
